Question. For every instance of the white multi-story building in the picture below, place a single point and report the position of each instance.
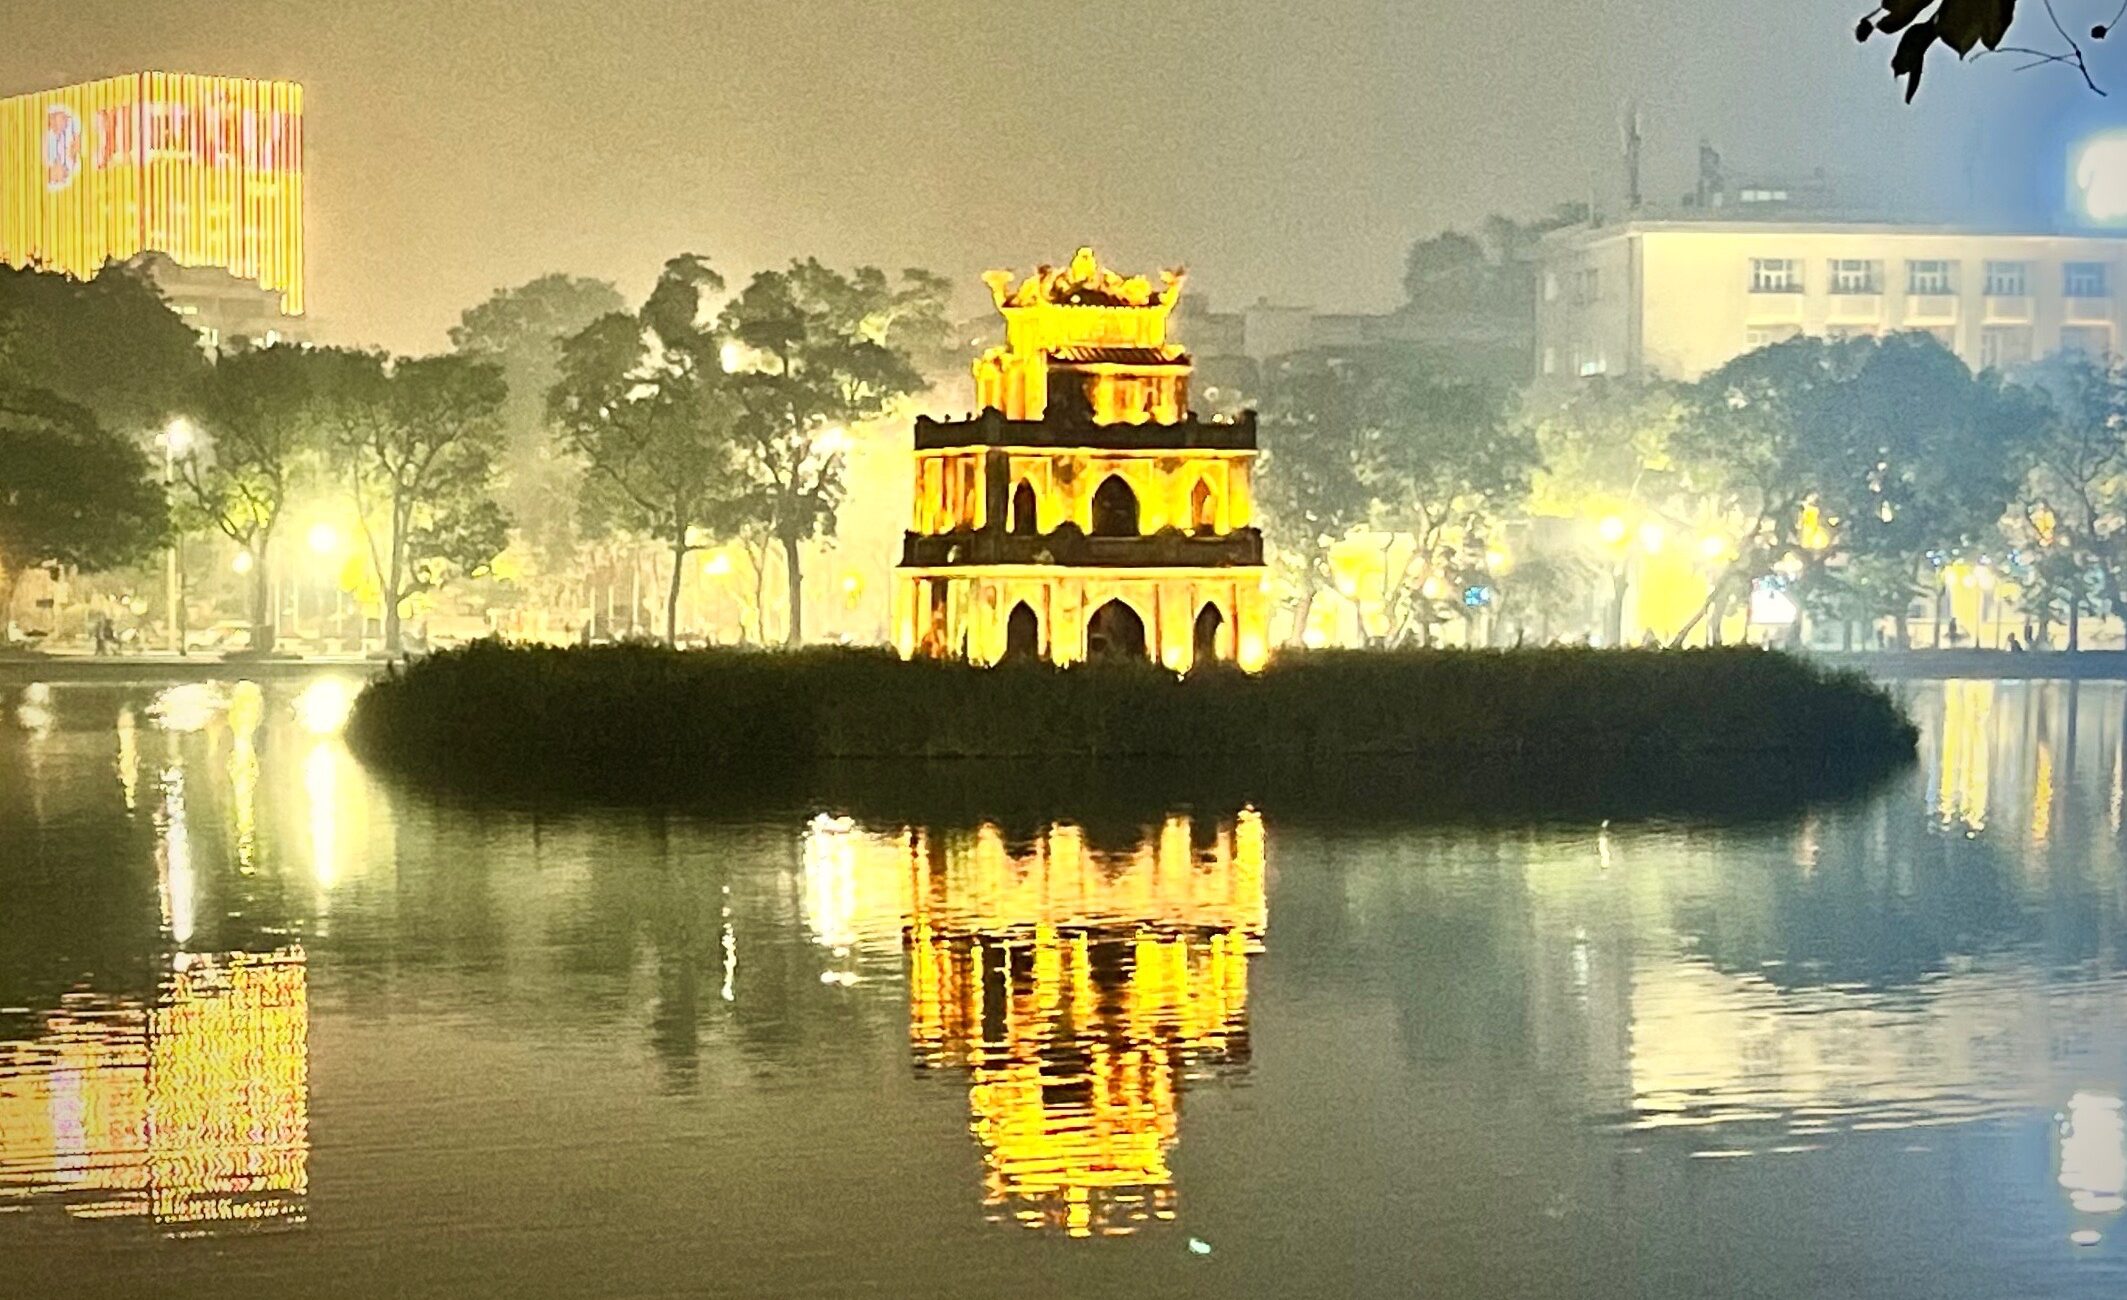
(1676, 298)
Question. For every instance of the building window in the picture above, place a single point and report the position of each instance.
(1764, 336)
(2004, 347)
(1928, 277)
(2083, 279)
(1775, 275)
(1550, 286)
(1550, 361)
(2006, 280)
(2091, 341)
(1587, 285)
(1856, 275)
(1593, 365)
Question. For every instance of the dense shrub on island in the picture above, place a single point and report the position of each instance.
(637, 719)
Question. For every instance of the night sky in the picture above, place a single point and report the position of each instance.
(1280, 150)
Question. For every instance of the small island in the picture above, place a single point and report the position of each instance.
(1663, 731)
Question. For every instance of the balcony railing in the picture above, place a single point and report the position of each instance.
(1070, 548)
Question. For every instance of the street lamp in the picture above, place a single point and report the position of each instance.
(176, 439)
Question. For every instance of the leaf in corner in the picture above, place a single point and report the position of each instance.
(1963, 24)
(1897, 13)
(1911, 54)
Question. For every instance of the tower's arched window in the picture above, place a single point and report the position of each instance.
(1022, 633)
(1115, 632)
(1024, 520)
(1203, 508)
(1209, 622)
(1114, 509)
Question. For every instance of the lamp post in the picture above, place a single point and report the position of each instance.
(176, 440)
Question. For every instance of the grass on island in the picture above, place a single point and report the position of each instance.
(1533, 726)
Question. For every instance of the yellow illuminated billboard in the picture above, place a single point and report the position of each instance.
(205, 170)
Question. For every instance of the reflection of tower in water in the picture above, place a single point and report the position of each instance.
(192, 1112)
(1082, 990)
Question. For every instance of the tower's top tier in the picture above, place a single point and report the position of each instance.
(1083, 329)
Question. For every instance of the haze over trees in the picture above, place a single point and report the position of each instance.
(71, 492)
(259, 430)
(644, 403)
(415, 441)
(817, 352)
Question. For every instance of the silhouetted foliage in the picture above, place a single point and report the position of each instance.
(110, 344)
(643, 722)
(71, 493)
(645, 403)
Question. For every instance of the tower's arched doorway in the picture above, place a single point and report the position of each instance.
(1115, 632)
(1114, 508)
(1022, 633)
(1209, 622)
(1203, 508)
(1024, 522)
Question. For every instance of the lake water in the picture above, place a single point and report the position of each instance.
(270, 1028)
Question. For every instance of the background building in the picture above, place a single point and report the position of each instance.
(202, 176)
(1676, 297)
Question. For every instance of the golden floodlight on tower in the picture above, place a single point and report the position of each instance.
(1084, 511)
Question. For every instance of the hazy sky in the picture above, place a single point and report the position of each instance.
(1281, 150)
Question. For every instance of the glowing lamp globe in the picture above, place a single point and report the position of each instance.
(2100, 178)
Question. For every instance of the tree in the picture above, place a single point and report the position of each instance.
(1761, 434)
(816, 352)
(417, 440)
(1471, 298)
(1963, 26)
(1858, 464)
(644, 402)
(1309, 488)
(522, 330)
(110, 344)
(259, 411)
(1939, 453)
(1607, 453)
(1442, 461)
(71, 493)
(2071, 510)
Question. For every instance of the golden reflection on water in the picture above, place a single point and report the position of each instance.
(1080, 991)
(188, 1112)
(1966, 737)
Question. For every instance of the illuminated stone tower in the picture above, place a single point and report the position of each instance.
(1084, 511)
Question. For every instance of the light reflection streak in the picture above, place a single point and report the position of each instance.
(34, 713)
(1967, 734)
(129, 758)
(176, 876)
(2093, 1154)
(246, 710)
(321, 782)
(190, 1112)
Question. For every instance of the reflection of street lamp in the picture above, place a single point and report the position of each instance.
(324, 539)
(1611, 530)
(242, 563)
(176, 440)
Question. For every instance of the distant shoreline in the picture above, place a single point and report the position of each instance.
(1998, 665)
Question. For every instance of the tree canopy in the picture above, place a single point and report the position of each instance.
(110, 344)
(644, 402)
(521, 329)
(817, 352)
(71, 492)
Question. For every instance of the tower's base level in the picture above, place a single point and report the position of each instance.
(1177, 617)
